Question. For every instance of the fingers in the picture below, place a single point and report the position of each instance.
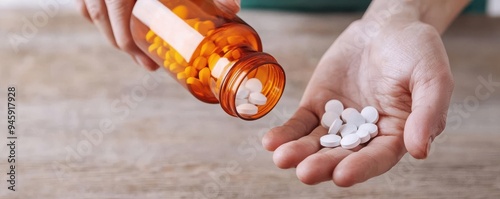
(232, 6)
(301, 124)
(348, 167)
(319, 167)
(378, 157)
(120, 13)
(83, 9)
(98, 14)
(431, 98)
(290, 154)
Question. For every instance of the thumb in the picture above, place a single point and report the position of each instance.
(430, 102)
(232, 6)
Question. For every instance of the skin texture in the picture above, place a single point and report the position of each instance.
(403, 71)
(112, 18)
(393, 59)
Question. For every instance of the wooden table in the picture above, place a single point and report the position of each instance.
(169, 145)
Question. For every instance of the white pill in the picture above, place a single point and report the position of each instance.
(242, 93)
(241, 101)
(363, 135)
(254, 85)
(370, 114)
(335, 126)
(335, 106)
(328, 118)
(347, 129)
(247, 109)
(371, 128)
(330, 140)
(352, 116)
(347, 113)
(350, 141)
(257, 98)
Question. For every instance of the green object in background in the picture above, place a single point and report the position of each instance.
(477, 6)
(309, 5)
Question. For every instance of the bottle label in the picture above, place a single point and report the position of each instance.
(166, 24)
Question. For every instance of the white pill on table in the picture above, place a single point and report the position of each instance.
(347, 129)
(370, 114)
(330, 140)
(371, 128)
(257, 98)
(335, 126)
(352, 116)
(328, 118)
(363, 135)
(247, 109)
(335, 106)
(350, 141)
(254, 85)
(242, 93)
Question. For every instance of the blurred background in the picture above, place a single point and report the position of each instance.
(169, 145)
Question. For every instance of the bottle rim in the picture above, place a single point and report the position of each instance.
(239, 72)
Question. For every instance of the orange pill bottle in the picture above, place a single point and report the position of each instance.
(210, 52)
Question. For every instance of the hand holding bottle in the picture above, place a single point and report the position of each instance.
(112, 18)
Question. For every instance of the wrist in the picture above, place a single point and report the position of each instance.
(441, 13)
(437, 13)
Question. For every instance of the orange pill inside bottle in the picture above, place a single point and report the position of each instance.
(207, 50)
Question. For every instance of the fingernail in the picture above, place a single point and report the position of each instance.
(429, 146)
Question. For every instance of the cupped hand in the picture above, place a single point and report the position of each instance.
(112, 18)
(401, 69)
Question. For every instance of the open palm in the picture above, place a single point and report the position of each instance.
(402, 70)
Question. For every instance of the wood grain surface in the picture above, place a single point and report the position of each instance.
(169, 145)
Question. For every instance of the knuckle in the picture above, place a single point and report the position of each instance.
(95, 11)
(82, 8)
(127, 45)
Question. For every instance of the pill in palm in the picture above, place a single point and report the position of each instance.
(350, 141)
(335, 126)
(354, 127)
(330, 140)
(328, 118)
(257, 98)
(371, 128)
(370, 114)
(247, 109)
(347, 129)
(363, 135)
(352, 116)
(346, 113)
(335, 106)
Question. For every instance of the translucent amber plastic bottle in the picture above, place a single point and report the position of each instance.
(210, 52)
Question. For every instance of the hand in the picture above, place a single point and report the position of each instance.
(402, 70)
(112, 18)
